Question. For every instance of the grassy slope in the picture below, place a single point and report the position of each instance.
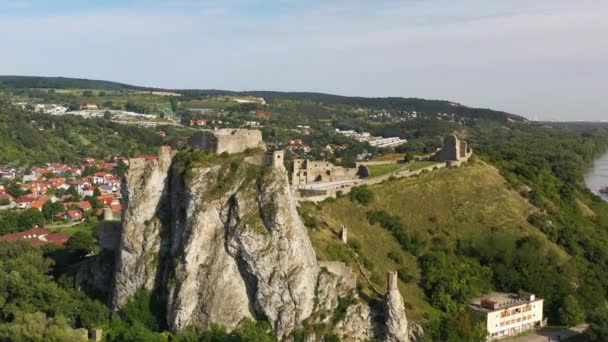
(447, 205)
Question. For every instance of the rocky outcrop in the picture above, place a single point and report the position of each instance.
(137, 258)
(396, 322)
(220, 243)
(219, 240)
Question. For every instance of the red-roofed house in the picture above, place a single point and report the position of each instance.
(116, 207)
(263, 114)
(76, 171)
(108, 200)
(83, 205)
(101, 177)
(37, 188)
(88, 161)
(38, 237)
(73, 215)
(24, 202)
(161, 133)
(58, 183)
(200, 122)
(109, 166)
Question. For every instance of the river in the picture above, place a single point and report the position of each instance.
(597, 177)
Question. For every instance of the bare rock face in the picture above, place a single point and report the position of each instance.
(137, 262)
(416, 332)
(396, 322)
(223, 243)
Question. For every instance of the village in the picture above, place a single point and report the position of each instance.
(65, 196)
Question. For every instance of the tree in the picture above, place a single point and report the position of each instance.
(571, 313)
(72, 191)
(15, 190)
(81, 244)
(50, 209)
(29, 219)
(361, 194)
(598, 326)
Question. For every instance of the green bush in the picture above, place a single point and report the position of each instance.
(361, 194)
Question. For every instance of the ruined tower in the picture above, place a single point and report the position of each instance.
(391, 281)
(344, 234)
(277, 159)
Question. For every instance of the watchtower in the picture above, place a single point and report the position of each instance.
(391, 280)
(344, 234)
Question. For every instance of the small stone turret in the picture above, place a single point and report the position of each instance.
(277, 159)
(396, 322)
(392, 281)
(344, 234)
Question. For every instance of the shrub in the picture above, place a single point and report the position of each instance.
(393, 255)
(361, 194)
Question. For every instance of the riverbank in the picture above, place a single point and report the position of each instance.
(597, 176)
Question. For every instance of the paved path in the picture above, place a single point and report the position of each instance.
(549, 334)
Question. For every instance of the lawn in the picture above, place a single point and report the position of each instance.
(379, 170)
(417, 165)
(83, 227)
(390, 156)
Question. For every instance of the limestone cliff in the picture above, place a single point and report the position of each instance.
(219, 240)
(146, 190)
(222, 242)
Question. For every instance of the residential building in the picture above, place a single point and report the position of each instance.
(508, 314)
(38, 237)
(199, 122)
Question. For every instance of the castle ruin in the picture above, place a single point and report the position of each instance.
(273, 159)
(227, 140)
(308, 171)
(392, 281)
(454, 150)
(344, 234)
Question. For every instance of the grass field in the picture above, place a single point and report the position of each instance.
(446, 205)
(379, 170)
(390, 156)
(83, 227)
(417, 165)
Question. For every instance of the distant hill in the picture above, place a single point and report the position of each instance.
(18, 82)
(387, 103)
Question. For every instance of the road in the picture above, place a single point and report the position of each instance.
(549, 334)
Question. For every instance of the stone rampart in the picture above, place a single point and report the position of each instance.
(227, 140)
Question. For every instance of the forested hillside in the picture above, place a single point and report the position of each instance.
(531, 224)
(27, 139)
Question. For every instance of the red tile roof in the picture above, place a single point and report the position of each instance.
(38, 237)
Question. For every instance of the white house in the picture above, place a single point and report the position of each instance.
(508, 314)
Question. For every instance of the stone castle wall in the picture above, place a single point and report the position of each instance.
(307, 171)
(226, 140)
(453, 150)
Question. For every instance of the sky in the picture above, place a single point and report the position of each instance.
(542, 59)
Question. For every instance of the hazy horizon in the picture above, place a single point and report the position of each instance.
(544, 60)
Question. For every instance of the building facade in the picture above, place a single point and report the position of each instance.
(509, 314)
